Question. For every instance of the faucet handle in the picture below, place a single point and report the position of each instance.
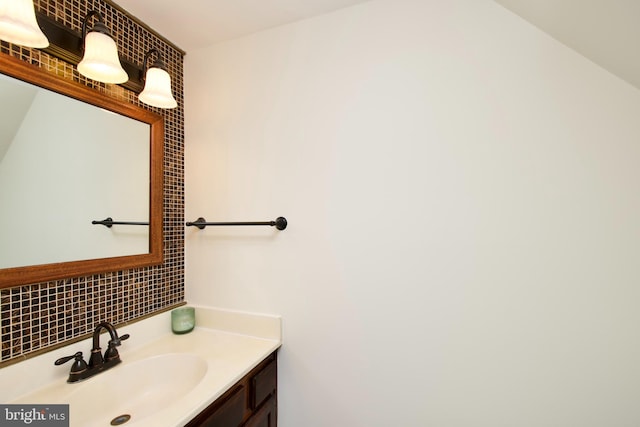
(112, 352)
(121, 338)
(77, 356)
(78, 369)
(118, 340)
(79, 365)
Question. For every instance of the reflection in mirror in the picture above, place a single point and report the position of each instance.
(68, 156)
(59, 172)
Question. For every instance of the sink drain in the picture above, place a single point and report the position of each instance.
(120, 419)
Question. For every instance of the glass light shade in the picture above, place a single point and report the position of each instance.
(157, 89)
(100, 61)
(18, 24)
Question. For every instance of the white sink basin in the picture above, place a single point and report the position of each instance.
(137, 389)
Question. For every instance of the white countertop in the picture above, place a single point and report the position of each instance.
(231, 343)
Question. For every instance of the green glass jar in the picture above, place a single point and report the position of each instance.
(183, 320)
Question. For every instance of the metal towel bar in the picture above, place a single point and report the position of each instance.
(109, 222)
(280, 223)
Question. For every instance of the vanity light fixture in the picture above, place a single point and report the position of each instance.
(93, 50)
(157, 83)
(18, 24)
(100, 60)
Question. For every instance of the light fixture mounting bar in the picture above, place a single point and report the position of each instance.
(66, 44)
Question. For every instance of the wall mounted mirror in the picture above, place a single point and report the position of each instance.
(69, 156)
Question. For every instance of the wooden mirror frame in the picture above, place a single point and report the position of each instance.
(16, 276)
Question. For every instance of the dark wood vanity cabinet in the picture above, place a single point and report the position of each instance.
(252, 402)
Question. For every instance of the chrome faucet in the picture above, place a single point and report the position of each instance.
(80, 370)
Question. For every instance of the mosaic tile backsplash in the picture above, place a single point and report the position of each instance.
(42, 315)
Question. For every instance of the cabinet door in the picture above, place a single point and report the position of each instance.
(252, 402)
(265, 416)
(228, 413)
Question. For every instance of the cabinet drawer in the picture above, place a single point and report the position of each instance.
(263, 384)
